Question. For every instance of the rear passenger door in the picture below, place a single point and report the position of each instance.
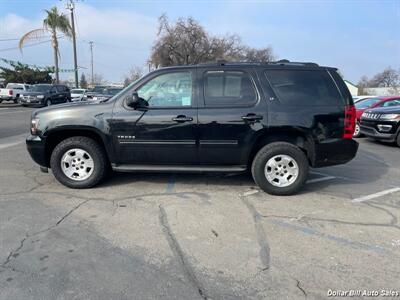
(230, 113)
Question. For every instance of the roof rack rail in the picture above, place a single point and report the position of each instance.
(295, 63)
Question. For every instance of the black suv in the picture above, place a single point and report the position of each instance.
(274, 119)
(46, 95)
(382, 123)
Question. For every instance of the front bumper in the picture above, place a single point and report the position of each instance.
(373, 133)
(37, 149)
(33, 102)
(334, 152)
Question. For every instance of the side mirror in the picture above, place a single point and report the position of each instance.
(135, 102)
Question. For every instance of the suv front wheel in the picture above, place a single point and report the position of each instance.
(78, 162)
(280, 168)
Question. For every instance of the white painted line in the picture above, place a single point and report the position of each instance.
(251, 192)
(376, 195)
(4, 146)
(15, 112)
(12, 141)
(320, 179)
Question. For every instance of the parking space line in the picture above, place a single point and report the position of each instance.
(13, 112)
(8, 145)
(376, 195)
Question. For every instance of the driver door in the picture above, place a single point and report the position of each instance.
(164, 132)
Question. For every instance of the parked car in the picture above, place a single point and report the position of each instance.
(368, 103)
(275, 119)
(382, 123)
(77, 94)
(105, 94)
(46, 95)
(93, 91)
(13, 92)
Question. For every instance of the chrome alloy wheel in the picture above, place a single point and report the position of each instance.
(281, 170)
(77, 164)
(357, 130)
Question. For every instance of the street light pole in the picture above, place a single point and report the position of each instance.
(71, 6)
(91, 61)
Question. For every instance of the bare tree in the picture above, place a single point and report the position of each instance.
(387, 78)
(186, 42)
(134, 73)
(98, 79)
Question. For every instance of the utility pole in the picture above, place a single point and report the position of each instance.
(71, 6)
(91, 61)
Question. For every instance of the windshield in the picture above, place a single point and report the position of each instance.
(40, 88)
(112, 91)
(367, 103)
(98, 89)
(77, 91)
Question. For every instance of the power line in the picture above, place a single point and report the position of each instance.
(25, 46)
(30, 45)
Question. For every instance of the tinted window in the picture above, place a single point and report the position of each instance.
(228, 88)
(302, 87)
(367, 103)
(41, 88)
(172, 89)
(395, 102)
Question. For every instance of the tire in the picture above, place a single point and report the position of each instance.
(357, 131)
(93, 150)
(271, 154)
(398, 140)
(48, 102)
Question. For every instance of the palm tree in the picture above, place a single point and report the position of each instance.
(53, 22)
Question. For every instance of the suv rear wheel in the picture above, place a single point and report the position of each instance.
(398, 140)
(78, 162)
(280, 168)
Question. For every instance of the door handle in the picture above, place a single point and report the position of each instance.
(182, 119)
(252, 117)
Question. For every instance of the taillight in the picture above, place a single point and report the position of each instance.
(349, 121)
(10, 92)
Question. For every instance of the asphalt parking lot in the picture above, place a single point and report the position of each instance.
(214, 236)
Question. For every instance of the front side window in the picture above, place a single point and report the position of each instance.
(304, 87)
(228, 88)
(166, 90)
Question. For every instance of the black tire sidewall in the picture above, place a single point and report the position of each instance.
(94, 151)
(279, 148)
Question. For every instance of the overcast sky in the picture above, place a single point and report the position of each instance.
(358, 37)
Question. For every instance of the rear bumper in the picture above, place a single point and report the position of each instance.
(334, 152)
(7, 98)
(373, 133)
(37, 149)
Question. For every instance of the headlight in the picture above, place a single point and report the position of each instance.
(40, 96)
(390, 116)
(34, 126)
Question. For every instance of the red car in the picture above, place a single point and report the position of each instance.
(373, 102)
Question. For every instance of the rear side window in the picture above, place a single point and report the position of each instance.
(303, 87)
(228, 88)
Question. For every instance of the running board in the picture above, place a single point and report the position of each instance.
(177, 168)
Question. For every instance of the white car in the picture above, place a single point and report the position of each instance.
(13, 91)
(77, 94)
